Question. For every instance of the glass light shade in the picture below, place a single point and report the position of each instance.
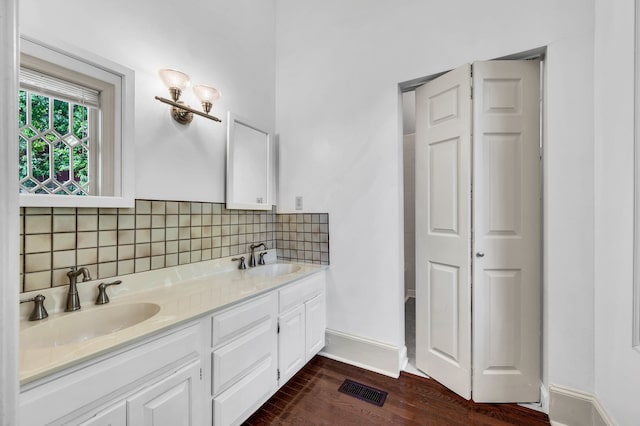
(206, 93)
(174, 79)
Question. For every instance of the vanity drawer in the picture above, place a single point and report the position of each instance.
(234, 360)
(240, 319)
(237, 403)
(300, 291)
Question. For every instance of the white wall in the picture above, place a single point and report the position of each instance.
(338, 117)
(229, 45)
(617, 381)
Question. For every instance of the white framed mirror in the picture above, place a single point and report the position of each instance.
(249, 166)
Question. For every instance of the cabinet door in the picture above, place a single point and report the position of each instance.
(173, 401)
(291, 343)
(115, 415)
(315, 317)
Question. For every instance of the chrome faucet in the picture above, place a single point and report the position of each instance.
(73, 300)
(252, 258)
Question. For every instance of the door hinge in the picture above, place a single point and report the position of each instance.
(201, 374)
(278, 374)
(278, 327)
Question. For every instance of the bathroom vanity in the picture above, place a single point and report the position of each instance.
(219, 345)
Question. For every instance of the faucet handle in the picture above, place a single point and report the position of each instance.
(242, 264)
(102, 292)
(39, 312)
(261, 258)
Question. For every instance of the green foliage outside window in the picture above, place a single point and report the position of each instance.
(56, 125)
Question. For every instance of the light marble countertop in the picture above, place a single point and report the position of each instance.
(183, 293)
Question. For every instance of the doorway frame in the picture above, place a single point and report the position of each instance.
(9, 215)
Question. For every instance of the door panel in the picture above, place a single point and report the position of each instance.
(443, 306)
(507, 231)
(443, 191)
(443, 164)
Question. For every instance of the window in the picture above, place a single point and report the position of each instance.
(75, 127)
(58, 136)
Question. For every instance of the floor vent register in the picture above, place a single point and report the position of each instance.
(363, 392)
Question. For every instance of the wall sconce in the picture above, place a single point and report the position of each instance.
(176, 82)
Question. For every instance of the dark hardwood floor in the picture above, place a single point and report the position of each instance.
(311, 397)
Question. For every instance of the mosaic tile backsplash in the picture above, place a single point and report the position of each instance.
(154, 235)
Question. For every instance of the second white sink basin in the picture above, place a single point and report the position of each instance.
(76, 327)
(273, 270)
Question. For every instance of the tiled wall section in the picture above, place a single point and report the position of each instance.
(154, 235)
(303, 237)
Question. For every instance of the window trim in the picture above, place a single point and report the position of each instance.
(120, 181)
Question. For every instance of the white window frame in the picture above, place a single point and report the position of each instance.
(636, 210)
(117, 177)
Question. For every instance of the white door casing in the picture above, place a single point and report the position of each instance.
(507, 231)
(9, 217)
(443, 209)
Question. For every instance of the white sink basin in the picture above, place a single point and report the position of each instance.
(76, 327)
(273, 270)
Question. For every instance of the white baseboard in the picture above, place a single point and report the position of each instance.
(364, 353)
(404, 359)
(571, 407)
(543, 405)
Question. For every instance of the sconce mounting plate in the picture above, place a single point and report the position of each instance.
(181, 115)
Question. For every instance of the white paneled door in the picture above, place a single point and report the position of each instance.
(443, 234)
(489, 241)
(506, 231)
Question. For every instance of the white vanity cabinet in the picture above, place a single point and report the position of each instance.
(258, 345)
(215, 370)
(243, 359)
(302, 324)
(155, 382)
(167, 402)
